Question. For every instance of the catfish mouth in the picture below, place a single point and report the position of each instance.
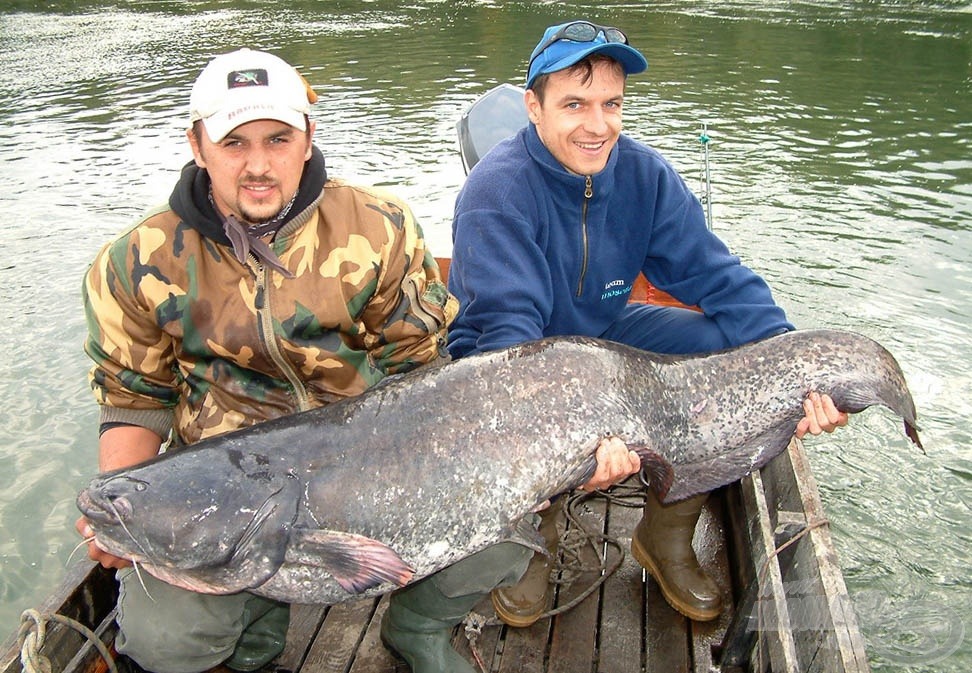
(194, 540)
(105, 512)
(104, 509)
(109, 512)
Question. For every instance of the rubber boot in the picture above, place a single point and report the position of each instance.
(264, 637)
(523, 603)
(420, 618)
(662, 544)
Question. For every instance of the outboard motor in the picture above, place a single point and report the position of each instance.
(496, 115)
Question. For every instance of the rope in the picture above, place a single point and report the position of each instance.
(473, 627)
(568, 565)
(33, 633)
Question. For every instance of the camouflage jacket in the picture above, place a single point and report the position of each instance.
(186, 337)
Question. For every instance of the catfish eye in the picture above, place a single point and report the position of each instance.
(120, 485)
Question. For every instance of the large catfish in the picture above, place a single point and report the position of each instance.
(373, 492)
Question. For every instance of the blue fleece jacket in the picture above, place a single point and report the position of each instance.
(539, 251)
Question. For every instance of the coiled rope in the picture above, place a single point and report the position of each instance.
(33, 633)
(568, 563)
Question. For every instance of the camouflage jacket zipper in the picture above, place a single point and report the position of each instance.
(267, 334)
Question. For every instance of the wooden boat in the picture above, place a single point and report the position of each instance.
(764, 539)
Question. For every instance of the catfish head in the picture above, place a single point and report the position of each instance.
(216, 520)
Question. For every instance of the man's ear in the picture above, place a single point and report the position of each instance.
(311, 127)
(532, 105)
(194, 146)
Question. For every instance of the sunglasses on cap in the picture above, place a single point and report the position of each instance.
(581, 31)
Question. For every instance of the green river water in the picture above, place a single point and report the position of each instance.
(841, 170)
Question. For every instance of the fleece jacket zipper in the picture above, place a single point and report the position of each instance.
(588, 193)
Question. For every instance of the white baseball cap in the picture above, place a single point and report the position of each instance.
(246, 85)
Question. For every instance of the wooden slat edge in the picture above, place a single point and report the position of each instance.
(87, 593)
(773, 619)
(843, 616)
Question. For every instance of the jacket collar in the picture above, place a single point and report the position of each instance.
(603, 182)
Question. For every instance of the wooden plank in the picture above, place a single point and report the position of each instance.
(372, 656)
(343, 628)
(88, 658)
(305, 622)
(710, 546)
(832, 640)
(523, 649)
(488, 644)
(741, 568)
(674, 642)
(666, 641)
(574, 637)
(622, 627)
(822, 627)
(775, 648)
(526, 650)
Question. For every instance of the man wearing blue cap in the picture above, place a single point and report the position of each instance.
(550, 231)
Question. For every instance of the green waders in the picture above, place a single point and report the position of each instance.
(421, 617)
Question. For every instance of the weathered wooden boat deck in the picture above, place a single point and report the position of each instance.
(623, 626)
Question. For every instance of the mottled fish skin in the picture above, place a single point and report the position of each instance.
(368, 494)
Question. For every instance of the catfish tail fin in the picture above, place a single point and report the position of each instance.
(656, 471)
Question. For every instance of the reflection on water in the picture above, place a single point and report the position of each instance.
(841, 171)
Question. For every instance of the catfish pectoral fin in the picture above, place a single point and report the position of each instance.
(657, 471)
(356, 562)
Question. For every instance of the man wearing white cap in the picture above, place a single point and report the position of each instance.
(261, 288)
(550, 231)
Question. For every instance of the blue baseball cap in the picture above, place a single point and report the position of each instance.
(565, 44)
